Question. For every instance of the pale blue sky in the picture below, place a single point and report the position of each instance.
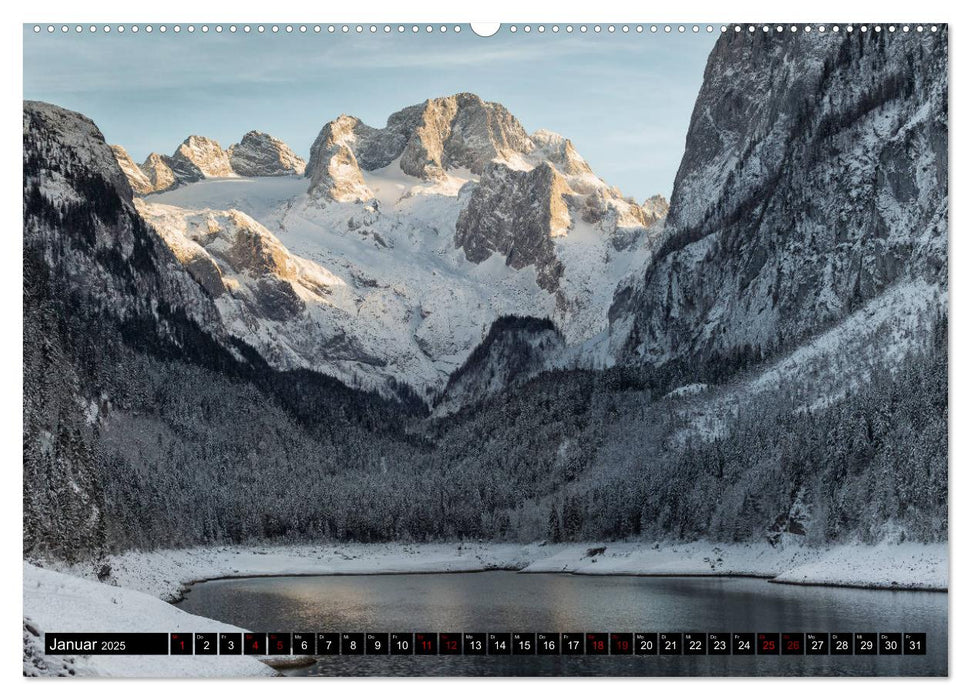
(624, 100)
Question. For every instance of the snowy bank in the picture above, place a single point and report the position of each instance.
(56, 602)
(71, 598)
(166, 574)
(904, 566)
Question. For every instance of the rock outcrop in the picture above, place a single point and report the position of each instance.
(139, 182)
(559, 151)
(655, 208)
(517, 213)
(159, 173)
(199, 157)
(260, 155)
(333, 168)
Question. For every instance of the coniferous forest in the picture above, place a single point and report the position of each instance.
(779, 368)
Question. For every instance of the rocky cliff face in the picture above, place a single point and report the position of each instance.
(812, 180)
(522, 191)
(333, 168)
(92, 268)
(199, 157)
(261, 155)
(139, 182)
(517, 213)
(159, 174)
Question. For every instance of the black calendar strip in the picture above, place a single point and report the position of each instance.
(489, 643)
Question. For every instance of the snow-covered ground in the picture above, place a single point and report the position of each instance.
(71, 599)
(56, 602)
(903, 566)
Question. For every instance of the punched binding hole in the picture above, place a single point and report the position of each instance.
(485, 29)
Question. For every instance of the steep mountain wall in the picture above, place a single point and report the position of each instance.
(89, 260)
(517, 214)
(134, 391)
(814, 177)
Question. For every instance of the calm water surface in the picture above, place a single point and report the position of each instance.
(504, 601)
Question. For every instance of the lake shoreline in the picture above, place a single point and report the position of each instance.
(187, 586)
(860, 586)
(141, 585)
(504, 600)
(166, 574)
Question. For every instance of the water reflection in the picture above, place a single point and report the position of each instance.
(509, 602)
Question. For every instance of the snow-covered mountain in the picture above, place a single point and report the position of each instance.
(296, 313)
(426, 230)
(813, 181)
(199, 158)
(175, 344)
(464, 138)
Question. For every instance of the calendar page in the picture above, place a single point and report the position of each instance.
(522, 349)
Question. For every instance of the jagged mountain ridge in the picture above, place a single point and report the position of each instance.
(197, 158)
(810, 184)
(472, 138)
(200, 456)
(496, 222)
(441, 134)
